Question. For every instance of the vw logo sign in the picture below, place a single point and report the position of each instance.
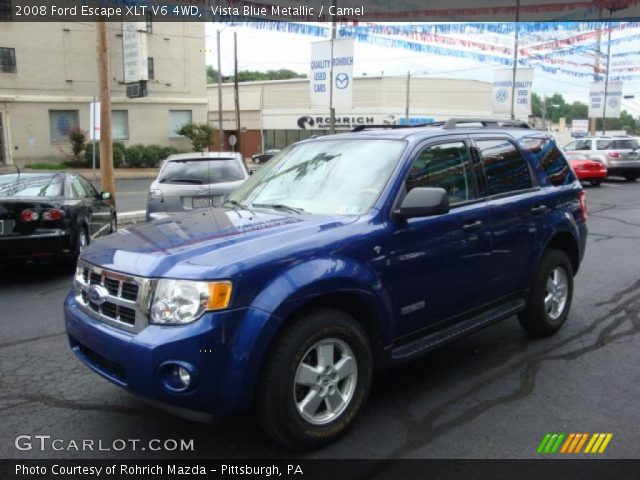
(342, 81)
(502, 95)
(97, 294)
(613, 102)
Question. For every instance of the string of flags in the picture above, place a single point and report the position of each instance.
(573, 54)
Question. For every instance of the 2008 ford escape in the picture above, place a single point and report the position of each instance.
(343, 255)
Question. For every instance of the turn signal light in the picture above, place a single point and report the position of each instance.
(219, 295)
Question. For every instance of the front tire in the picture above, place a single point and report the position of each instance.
(551, 294)
(315, 380)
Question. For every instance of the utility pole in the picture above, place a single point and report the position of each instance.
(596, 70)
(332, 111)
(515, 62)
(220, 129)
(544, 113)
(235, 89)
(406, 113)
(606, 81)
(104, 82)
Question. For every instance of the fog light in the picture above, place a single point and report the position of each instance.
(178, 376)
(184, 377)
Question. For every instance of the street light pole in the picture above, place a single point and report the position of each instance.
(515, 63)
(408, 96)
(332, 111)
(220, 130)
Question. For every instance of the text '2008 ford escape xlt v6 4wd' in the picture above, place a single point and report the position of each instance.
(343, 255)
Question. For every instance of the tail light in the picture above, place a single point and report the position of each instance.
(582, 198)
(29, 215)
(53, 214)
(614, 154)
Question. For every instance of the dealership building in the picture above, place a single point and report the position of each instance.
(48, 79)
(274, 114)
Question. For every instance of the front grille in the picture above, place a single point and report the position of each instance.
(125, 302)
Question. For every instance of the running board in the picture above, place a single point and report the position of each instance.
(435, 340)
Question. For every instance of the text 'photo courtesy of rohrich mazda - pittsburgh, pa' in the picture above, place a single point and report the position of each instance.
(320, 239)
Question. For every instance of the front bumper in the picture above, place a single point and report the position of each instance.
(36, 245)
(223, 371)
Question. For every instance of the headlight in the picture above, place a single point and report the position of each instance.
(177, 302)
(155, 195)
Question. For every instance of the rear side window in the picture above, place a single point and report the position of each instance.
(201, 172)
(550, 159)
(625, 144)
(448, 166)
(505, 169)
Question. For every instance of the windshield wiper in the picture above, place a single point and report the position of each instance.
(238, 206)
(183, 180)
(279, 206)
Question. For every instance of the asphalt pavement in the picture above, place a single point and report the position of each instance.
(494, 394)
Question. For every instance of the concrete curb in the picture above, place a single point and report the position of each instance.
(129, 218)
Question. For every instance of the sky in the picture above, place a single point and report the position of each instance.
(268, 50)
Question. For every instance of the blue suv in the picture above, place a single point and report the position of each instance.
(344, 255)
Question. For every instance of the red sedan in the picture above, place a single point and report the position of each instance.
(587, 170)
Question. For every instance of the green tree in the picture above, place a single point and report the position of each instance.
(201, 135)
(254, 75)
(212, 74)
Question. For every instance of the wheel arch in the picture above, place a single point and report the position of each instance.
(566, 242)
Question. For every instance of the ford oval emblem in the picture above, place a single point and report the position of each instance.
(97, 294)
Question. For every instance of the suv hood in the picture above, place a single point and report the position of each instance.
(183, 244)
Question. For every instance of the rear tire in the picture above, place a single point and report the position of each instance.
(630, 177)
(113, 227)
(551, 294)
(315, 380)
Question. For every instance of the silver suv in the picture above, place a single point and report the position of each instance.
(621, 155)
(194, 180)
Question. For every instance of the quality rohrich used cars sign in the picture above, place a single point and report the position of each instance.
(320, 75)
(597, 100)
(503, 87)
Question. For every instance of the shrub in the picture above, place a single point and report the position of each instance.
(78, 139)
(118, 155)
(49, 166)
(134, 156)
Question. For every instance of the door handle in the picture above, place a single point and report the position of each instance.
(539, 209)
(472, 227)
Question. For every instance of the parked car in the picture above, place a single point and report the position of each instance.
(51, 216)
(591, 171)
(265, 156)
(345, 255)
(620, 155)
(190, 181)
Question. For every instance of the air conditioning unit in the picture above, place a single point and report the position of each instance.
(137, 90)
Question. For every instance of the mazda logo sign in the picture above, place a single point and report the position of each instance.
(97, 294)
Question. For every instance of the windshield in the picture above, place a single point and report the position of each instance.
(31, 185)
(341, 177)
(202, 172)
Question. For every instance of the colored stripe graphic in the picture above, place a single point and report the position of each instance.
(553, 443)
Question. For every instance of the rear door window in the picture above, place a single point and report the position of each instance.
(504, 167)
(201, 172)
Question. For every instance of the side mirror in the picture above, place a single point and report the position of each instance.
(423, 202)
(252, 171)
(105, 196)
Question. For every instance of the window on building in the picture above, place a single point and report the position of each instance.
(178, 118)
(151, 68)
(61, 122)
(149, 19)
(6, 12)
(504, 167)
(8, 60)
(120, 124)
(447, 166)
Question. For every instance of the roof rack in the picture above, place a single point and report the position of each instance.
(452, 123)
(486, 122)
